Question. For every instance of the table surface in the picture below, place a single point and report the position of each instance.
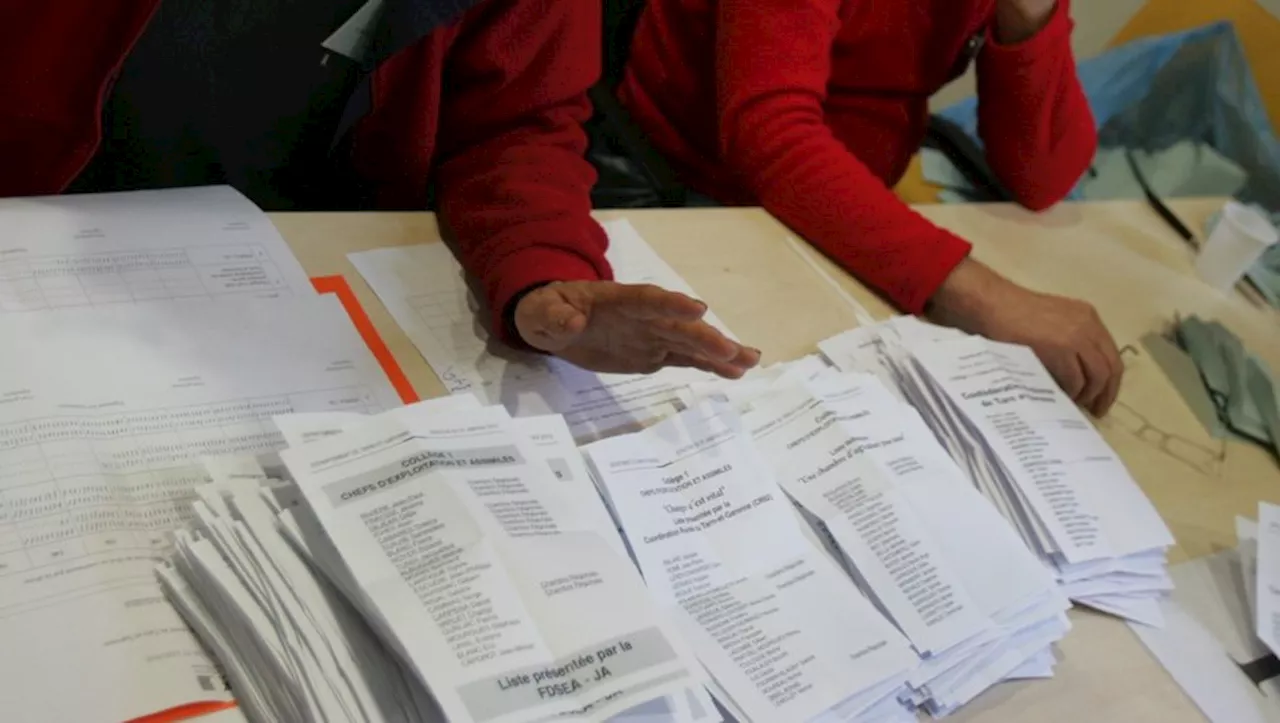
(1118, 255)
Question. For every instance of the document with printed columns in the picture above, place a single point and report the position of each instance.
(782, 631)
(104, 418)
(919, 539)
(173, 245)
(1077, 486)
(548, 435)
(505, 602)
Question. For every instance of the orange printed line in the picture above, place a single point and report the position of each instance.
(373, 340)
(185, 712)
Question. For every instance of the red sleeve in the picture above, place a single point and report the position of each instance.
(773, 60)
(1032, 114)
(514, 186)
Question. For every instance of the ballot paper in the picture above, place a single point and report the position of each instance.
(757, 382)
(783, 633)
(1267, 586)
(426, 292)
(1031, 452)
(503, 600)
(371, 661)
(173, 245)
(290, 645)
(548, 436)
(106, 413)
(919, 540)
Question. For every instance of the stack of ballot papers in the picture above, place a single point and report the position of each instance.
(815, 557)
(427, 293)
(1031, 452)
(439, 561)
(143, 331)
(914, 537)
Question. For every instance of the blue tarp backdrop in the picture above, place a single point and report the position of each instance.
(1185, 89)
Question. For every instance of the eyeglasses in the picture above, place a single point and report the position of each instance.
(1203, 459)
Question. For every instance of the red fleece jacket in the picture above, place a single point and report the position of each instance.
(492, 105)
(813, 109)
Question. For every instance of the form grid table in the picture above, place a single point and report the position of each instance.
(36, 283)
(76, 486)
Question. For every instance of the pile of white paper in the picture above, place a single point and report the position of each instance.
(816, 558)
(1031, 452)
(781, 629)
(440, 554)
(931, 554)
(427, 293)
(143, 332)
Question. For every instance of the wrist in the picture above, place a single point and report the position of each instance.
(967, 296)
(1018, 20)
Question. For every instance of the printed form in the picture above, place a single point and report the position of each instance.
(783, 632)
(104, 418)
(548, 436)
(1034, 456)
(426, 292)
(508, 605)
(1077, 486)
(291, 647)
(936, 556)
(122, 248)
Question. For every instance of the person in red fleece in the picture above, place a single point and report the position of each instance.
(378, 104)
(814, 108)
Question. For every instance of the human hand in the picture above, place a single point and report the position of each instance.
(626, 328)
(1067, 335)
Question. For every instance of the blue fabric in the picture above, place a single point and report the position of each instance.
(1154, 92)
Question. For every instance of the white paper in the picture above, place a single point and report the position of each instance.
(1267, 602)
(820, 464)
(1202, 669)
(1024, 446)
(507, 604)
(180, 244)
(426, 292)
(719, 548)
(1247, 552)
(106, 414)
(918, 539)
(1077, 486)
(547, 435)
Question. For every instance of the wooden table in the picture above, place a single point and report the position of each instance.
(1119, 256)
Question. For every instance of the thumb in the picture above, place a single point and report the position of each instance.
(551, 325)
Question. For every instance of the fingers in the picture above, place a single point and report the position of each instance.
(724, 369)
(1103, 365)
(731, 365)
(1115, 374)
(647, 302)
(697, 338)
(546, 321)
(1097, 375)
(1067, 370)
(746, 359)
(1109, 395)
